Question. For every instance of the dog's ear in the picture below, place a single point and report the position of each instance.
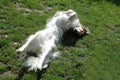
(72, 16)
(57, 13)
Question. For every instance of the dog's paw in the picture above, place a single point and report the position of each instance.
(39, 66)
(19, 51)
(45, 66)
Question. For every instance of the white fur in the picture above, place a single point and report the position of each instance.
(43, 43)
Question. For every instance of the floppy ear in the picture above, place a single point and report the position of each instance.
(72, 16)
(57, 13)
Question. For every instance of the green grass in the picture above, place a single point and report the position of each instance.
(93, 57)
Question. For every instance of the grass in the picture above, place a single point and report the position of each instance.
(93, 57)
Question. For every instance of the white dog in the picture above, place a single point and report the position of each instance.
(41, 46)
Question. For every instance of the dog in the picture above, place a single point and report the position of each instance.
(41, 47)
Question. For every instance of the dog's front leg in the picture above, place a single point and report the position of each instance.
(23, 48)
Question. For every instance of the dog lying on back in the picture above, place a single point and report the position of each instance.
(41, 47)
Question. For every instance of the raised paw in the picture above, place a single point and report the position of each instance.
(39, 67)
(19, 51)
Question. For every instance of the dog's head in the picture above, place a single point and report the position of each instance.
(68, 19)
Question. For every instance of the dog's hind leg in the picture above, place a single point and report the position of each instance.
(22, 71)
(39, 73)
(47, 49)
(43, 57)
(23, 48)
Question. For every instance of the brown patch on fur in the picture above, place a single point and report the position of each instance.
(84, 29)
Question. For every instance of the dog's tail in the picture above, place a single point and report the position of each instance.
(32, 63)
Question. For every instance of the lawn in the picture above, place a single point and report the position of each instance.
(93, 57)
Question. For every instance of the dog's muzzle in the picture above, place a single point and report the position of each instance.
(82, 30)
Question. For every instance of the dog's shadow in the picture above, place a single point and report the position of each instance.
(71, 37)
